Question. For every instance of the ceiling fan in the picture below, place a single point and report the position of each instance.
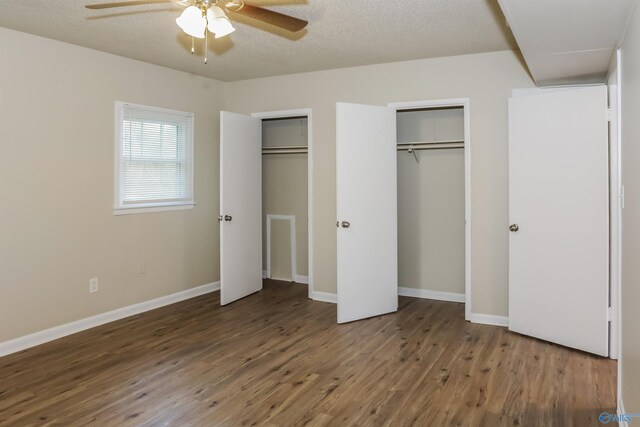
(202, 17)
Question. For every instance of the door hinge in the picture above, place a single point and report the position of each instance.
(609, 114)
(609, 314)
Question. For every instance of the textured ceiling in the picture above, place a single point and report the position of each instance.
(341, 33)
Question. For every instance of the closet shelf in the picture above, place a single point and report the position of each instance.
(286, 152)
(285, 149)
(440, 145)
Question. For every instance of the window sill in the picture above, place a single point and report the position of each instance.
(153, 207)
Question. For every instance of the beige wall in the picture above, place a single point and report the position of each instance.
(431, 203)
(487, 79)
(57, 229)
(285, 192)
(630, 357)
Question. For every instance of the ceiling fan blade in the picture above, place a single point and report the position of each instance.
(124, 4)
(281, 20)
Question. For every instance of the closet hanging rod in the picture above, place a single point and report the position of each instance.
(420, 144)
(413, 148)
(286, 152)
(285, 147)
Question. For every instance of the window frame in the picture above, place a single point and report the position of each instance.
(120, 208)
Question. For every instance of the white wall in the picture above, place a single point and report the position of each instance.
(487, 79)
(57, 229)
(630, 292)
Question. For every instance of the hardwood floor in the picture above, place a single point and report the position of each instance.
(278, 359)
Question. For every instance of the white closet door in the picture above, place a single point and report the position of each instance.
(558, 211)
(367, 211)
(240, 206)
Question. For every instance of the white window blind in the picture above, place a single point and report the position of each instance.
(155, 157)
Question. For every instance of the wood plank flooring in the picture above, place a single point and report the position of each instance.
(278, 359)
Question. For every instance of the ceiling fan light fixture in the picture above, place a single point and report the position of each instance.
(192, 22)
(218, 23)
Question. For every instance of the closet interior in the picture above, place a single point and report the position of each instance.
(285, 199)
(431, 202)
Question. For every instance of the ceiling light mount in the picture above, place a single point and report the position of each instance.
(204, 17)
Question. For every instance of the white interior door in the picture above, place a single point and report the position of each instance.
(240, 206)
(558, 198)
(367, 211)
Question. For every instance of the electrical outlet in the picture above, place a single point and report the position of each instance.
(142, 268)
(93, 285)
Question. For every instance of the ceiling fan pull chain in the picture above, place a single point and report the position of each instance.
(206, 45)
(193, 45)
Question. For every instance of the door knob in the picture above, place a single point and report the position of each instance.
(514, 227)
(228, 217)
(346, 224)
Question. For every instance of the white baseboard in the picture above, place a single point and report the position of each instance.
(324, 297)
(488, 319)
(436, 295)
(620, 411)
(409, 292)
(281, 279)
(297, 278)
(301, 279)
(485, 319)
(41, 337)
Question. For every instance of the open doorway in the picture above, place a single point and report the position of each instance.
(286, 196)
(434, 195)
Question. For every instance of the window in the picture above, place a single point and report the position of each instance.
(154, 159)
